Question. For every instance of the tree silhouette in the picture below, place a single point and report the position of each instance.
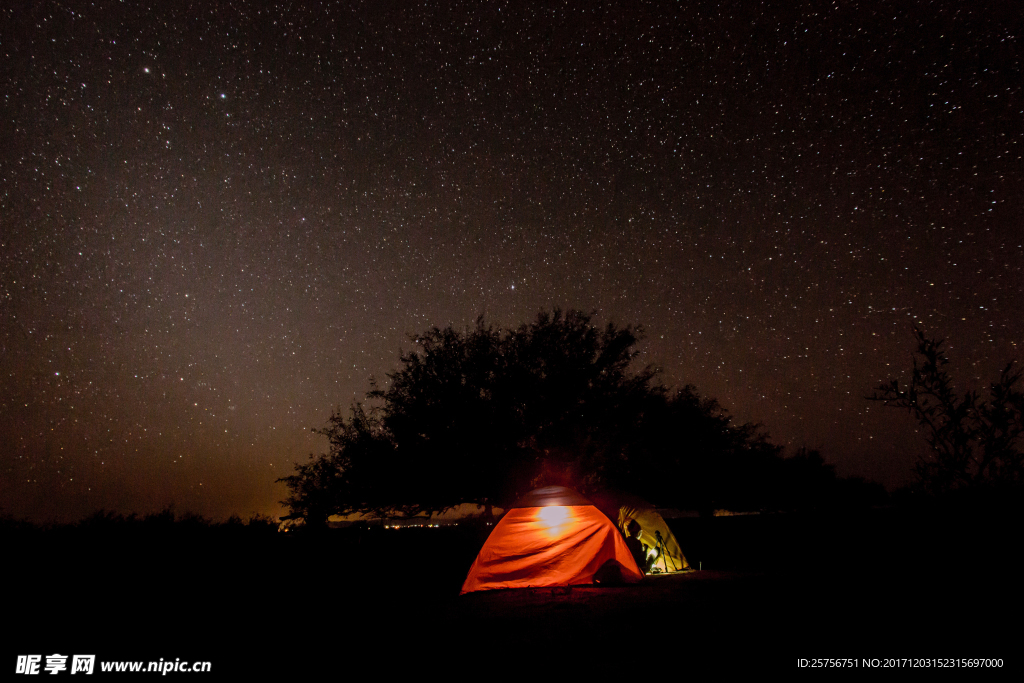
(973, 443)
(485, 415)
(482, 417)
(352, 477)
(691, 455)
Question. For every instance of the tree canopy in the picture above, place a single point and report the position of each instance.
(485, 415)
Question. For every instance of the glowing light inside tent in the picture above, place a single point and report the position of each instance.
(554, 518)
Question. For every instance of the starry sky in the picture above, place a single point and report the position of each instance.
(219, 219)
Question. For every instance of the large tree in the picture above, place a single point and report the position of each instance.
(485, 415)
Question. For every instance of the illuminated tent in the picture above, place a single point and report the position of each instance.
(551, 537)
(654, 532)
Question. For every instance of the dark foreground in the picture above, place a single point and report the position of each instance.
(884, 585)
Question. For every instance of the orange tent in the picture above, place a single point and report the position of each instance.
(551, 537)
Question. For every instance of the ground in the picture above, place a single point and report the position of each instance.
(773, 591)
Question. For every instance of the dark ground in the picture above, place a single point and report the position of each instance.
(774, 589)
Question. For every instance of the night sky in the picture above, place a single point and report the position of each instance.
(218, 220)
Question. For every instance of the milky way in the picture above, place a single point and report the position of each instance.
(219, 220)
